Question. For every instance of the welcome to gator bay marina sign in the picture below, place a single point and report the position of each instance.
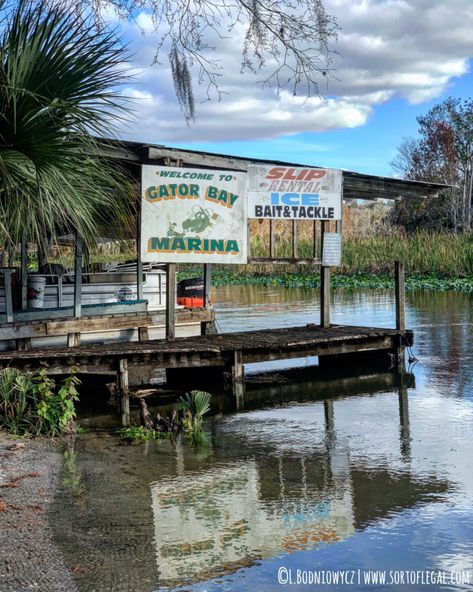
(201, 215)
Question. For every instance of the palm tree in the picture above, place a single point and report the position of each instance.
(59, 74)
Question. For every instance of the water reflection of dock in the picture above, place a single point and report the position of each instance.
(281, 499)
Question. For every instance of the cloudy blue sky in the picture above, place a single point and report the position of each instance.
(396, 58)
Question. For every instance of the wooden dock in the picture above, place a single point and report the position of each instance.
(229, 351)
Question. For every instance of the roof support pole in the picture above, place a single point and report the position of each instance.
(78, 276)
(24, 270)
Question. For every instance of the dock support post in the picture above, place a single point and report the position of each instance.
(325, 297)
(123, 391)
(400, 313)
(324, 286)
(207, 281)
(73, 339)
(238, 372)
(238, 377)
(171, 301)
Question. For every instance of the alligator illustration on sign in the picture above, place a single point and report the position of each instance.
(198, 220)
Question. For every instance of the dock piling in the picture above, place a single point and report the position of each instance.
(123, 389)
(400, 295)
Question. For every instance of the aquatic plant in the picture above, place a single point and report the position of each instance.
(138, 434)
(185, 417)
(195, 405)
(31, 403)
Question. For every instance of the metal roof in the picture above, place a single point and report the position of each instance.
(355, 185)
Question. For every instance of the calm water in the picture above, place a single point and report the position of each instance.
(349, 474)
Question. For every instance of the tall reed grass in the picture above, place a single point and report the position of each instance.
(422, 253)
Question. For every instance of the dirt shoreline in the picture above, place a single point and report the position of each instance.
(29, 558)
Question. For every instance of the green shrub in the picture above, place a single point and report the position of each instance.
(30, 403)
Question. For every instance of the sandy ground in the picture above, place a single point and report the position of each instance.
(29, 559)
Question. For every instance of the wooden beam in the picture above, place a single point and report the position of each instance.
(284, 261)
(78, 276)
(171, 301)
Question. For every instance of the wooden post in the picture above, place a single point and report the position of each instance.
(328, 414)
(207, 284)
(73, 339)
(123, 391)
(238, 372)
(314, 239)
(59, 291)
(324, 287)
(7, 273)
(139, 262)
(400, 296)
(78, 277)
(400, 314)
(271, 238)
(24, 271)
(294, 239)
(171, 301)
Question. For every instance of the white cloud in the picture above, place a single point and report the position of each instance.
(387, 48)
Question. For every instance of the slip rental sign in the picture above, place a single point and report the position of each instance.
(284, 192)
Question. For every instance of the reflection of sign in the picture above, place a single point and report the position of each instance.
(332, 249)
(193, 215)
(216, 521)
(294, 193)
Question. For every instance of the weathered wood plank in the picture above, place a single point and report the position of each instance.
(97, 324)
(88, 310)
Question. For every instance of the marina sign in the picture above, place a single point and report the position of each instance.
(285, 192)
(193, 215)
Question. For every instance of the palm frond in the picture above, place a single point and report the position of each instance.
(58, 85)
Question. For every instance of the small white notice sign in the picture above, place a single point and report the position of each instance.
(332, 249)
